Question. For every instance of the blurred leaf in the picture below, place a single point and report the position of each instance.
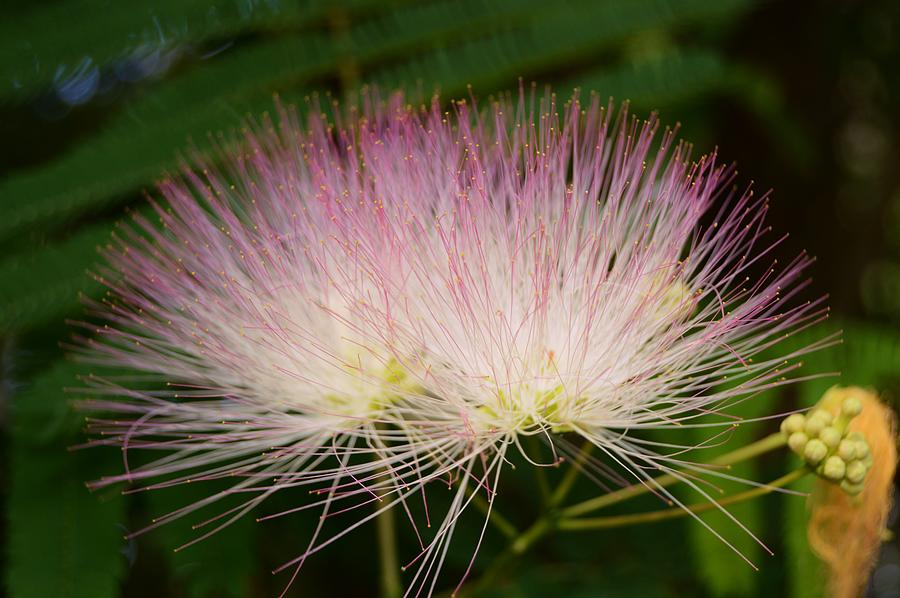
(36, 51)
(63, 540)
(580, 582)
(140, 142)
(870, 355)
(46, 284)
(805, 571)
(572, 32)
(722, 570)
(672, 78)
(222, 565)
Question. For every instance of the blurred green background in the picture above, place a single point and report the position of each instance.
(98, 97)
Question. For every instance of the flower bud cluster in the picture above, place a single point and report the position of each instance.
(827, 446)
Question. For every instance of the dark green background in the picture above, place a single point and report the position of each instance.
(98, 97)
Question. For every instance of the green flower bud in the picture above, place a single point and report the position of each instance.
(856, 472)
(813, 426)
(862, 449)
(851, 407)
(834, 468)
(815, 451)
(851, 488)
(823, 415)
(793, 423)
(831, 437)
(797, 441)
(847, 450)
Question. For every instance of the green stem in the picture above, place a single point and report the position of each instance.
(539, 473)
(744, 453)
(548, 522)
(675, 512)
(565, 485)
(521, 542)
(517, 547)
(502, 524)
(387, 549)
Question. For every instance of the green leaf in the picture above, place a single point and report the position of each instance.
(35, 50)
(722, 570)
(672, 78)
(141, 140)
(867, 356)
(46, 283)
(63, 540)
(222, 565)
(805, 571)
(870, 355)
(573, 32)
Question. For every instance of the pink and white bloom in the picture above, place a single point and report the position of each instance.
(368, 308)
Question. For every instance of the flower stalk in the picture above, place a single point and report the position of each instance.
(769, 443)
(676, 512)
(565, 519)
(565, 485)
(387, 552)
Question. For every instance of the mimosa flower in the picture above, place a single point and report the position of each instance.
(366, 308)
